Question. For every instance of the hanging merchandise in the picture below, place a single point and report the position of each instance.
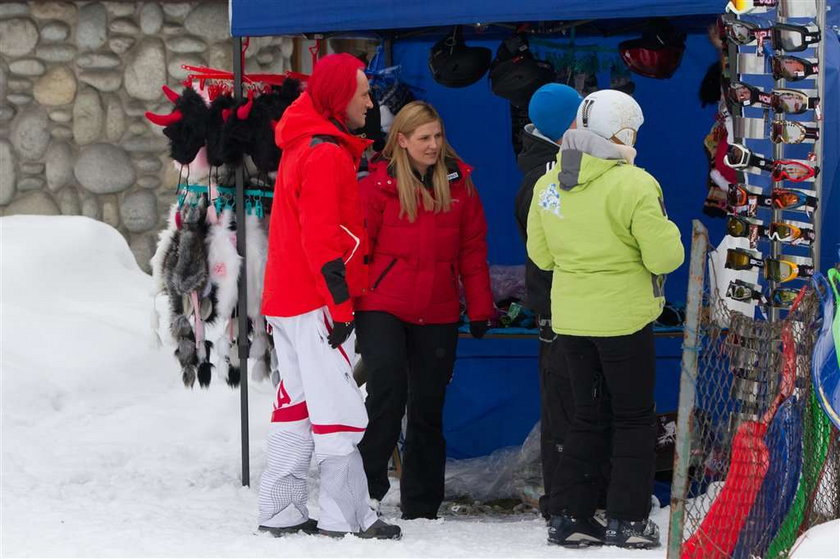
(454, 64)
(196, 263)
(224, 263)
(185, 126)
(197, 266)
(793, 69)
(515, 74)
(249, 128)
(658, 53)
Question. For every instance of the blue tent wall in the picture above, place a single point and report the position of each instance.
(670, 142)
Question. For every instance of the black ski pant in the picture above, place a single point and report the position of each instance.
(408, 368)
(557, 408)
(613, 422)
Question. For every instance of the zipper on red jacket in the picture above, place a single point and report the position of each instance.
(383, 274)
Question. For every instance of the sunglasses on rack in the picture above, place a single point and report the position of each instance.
(744, 292)
(746, 6)
(795, 38)
(792, 132)
(792, 68)
(743, 259)
(782, 271)
(792, 170)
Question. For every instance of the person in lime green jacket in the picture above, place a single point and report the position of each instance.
(599, 224)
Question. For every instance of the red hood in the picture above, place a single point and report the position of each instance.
(300, 122)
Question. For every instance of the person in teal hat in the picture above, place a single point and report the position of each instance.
(552, 111)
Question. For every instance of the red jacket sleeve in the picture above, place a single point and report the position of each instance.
(325, 171)
(475, 273)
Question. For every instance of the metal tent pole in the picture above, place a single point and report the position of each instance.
(822, 8)
(242, 303)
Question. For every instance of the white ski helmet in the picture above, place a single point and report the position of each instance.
(611, 114)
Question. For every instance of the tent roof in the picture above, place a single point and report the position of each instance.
(287, 17)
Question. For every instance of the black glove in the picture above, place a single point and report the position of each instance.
(478, 328)
(340, 332)
(547, 335)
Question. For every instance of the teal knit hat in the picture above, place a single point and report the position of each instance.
(553, 108)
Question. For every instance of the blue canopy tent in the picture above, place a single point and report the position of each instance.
(493, 400)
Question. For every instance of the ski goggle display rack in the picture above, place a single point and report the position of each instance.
(775, 53)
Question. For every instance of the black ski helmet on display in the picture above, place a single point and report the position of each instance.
(515, 74)
(454, 64)
(657, 54)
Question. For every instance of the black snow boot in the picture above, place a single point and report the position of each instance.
(569, 531)
(643, 534)
(381, 530)
(306, 527)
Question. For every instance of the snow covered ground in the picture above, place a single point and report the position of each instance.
(106, 454)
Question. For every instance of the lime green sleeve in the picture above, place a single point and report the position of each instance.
(658, 237)
(537, 244)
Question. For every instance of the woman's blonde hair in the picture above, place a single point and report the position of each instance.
(409, 187)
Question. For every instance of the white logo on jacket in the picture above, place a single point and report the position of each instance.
(550, 200)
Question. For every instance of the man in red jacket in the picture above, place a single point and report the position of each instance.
(316, 248)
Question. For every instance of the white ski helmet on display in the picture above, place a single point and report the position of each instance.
(611, 114)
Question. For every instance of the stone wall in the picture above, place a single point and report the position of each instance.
(75, 80)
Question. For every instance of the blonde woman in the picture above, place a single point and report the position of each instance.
(427, 235)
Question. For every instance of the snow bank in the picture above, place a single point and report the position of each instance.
(106, 454)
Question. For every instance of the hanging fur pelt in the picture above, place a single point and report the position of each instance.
(165, 239)
(190, 295)
(256, 242)
(224, 263)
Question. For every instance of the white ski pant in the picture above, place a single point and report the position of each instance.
(318, 408)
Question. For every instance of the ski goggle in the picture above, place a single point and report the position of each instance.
(741, 259)
(791, 170)
(792, 132)
(789, 233)
(792, 101)
(784, 199)
(783, 297)
(794, 38)
(745, 6)
(744, 94)
(792, 68)
(740, 196)
(739, 157)
(745, 33)
(744, 292)
(743, 227)
(780, 270)
(789, 101)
